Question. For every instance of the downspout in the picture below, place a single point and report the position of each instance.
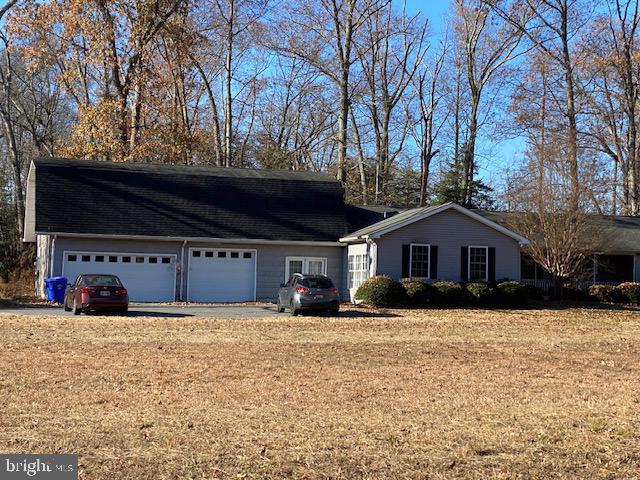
(53, 255)
(184, 244)
(372, 255)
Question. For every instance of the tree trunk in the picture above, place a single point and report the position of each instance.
(361, 169)
(344, 49)
(572, 140)
(16, 170)
(228, 64)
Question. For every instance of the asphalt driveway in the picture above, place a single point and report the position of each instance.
(160, 310)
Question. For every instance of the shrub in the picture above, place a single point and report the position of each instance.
(450, 293)
(480, 293)
(604, 293)
(381, 291)
(629, 291)
(573, 293)
(418, 293)
(512, 294)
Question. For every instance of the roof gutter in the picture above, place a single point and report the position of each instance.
(250, 241)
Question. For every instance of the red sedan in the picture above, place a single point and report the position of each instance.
(96, 292)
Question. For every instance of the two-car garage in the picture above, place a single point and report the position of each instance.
(212, 275)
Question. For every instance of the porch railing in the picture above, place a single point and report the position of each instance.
(547, 285)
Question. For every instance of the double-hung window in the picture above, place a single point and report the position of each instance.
(358, 270)
(419, 264)
(478, 259)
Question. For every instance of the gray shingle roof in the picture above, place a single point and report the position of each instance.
(135, 199)
(611, 233)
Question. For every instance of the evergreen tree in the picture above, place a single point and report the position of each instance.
(450, 188)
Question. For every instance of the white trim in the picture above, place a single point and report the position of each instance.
(29, 234)
(486, 263)
(411, 245)
(184, 244)
(305, 262)
(215, 249)
(250, 241)
(434, 211)
(127, 254)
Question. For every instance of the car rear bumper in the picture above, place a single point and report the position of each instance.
(104, 304)
(330, 305)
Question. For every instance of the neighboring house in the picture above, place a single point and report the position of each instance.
(613, 240)
(212, 234)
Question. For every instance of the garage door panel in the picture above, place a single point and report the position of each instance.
(221, 275)
(147, 277)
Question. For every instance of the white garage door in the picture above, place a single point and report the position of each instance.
(147, 277)
(221, 275)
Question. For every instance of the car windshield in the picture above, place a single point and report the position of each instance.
(102, 280)
(317, 282)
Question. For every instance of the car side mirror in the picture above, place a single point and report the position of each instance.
(282, 285)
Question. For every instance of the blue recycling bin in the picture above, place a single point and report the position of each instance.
(56, 286)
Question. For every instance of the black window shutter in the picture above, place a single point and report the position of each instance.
(433, 262)
(406, 256)
(464, 264)
(492, 264)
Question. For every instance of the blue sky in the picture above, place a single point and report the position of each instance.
(495, 156)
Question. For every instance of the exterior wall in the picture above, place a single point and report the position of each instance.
(270, 259)
(449, 230)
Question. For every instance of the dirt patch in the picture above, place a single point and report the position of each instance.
(434, 394)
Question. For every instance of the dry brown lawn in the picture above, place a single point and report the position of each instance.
(423, 394)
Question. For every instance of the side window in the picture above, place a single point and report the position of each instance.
(77, 282)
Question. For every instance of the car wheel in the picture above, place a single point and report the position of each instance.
(124, 311)
(65, 306)
(294, 311)
(280, 307)
(76, 310)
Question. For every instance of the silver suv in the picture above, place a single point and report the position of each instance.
(308, 292)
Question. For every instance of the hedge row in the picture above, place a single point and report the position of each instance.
(382, 291)
(628, 292)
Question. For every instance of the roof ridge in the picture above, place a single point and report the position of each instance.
(161, 168)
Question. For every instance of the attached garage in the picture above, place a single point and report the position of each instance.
(147, 277)
(221, 275)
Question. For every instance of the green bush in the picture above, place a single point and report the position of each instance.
(605, 293)
(450, 294)
(418, 293)
(381, 291)
(629, 291)
(512, 294)
(481, 293)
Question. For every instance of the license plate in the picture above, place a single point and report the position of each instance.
(319, 297)
(105, 293)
